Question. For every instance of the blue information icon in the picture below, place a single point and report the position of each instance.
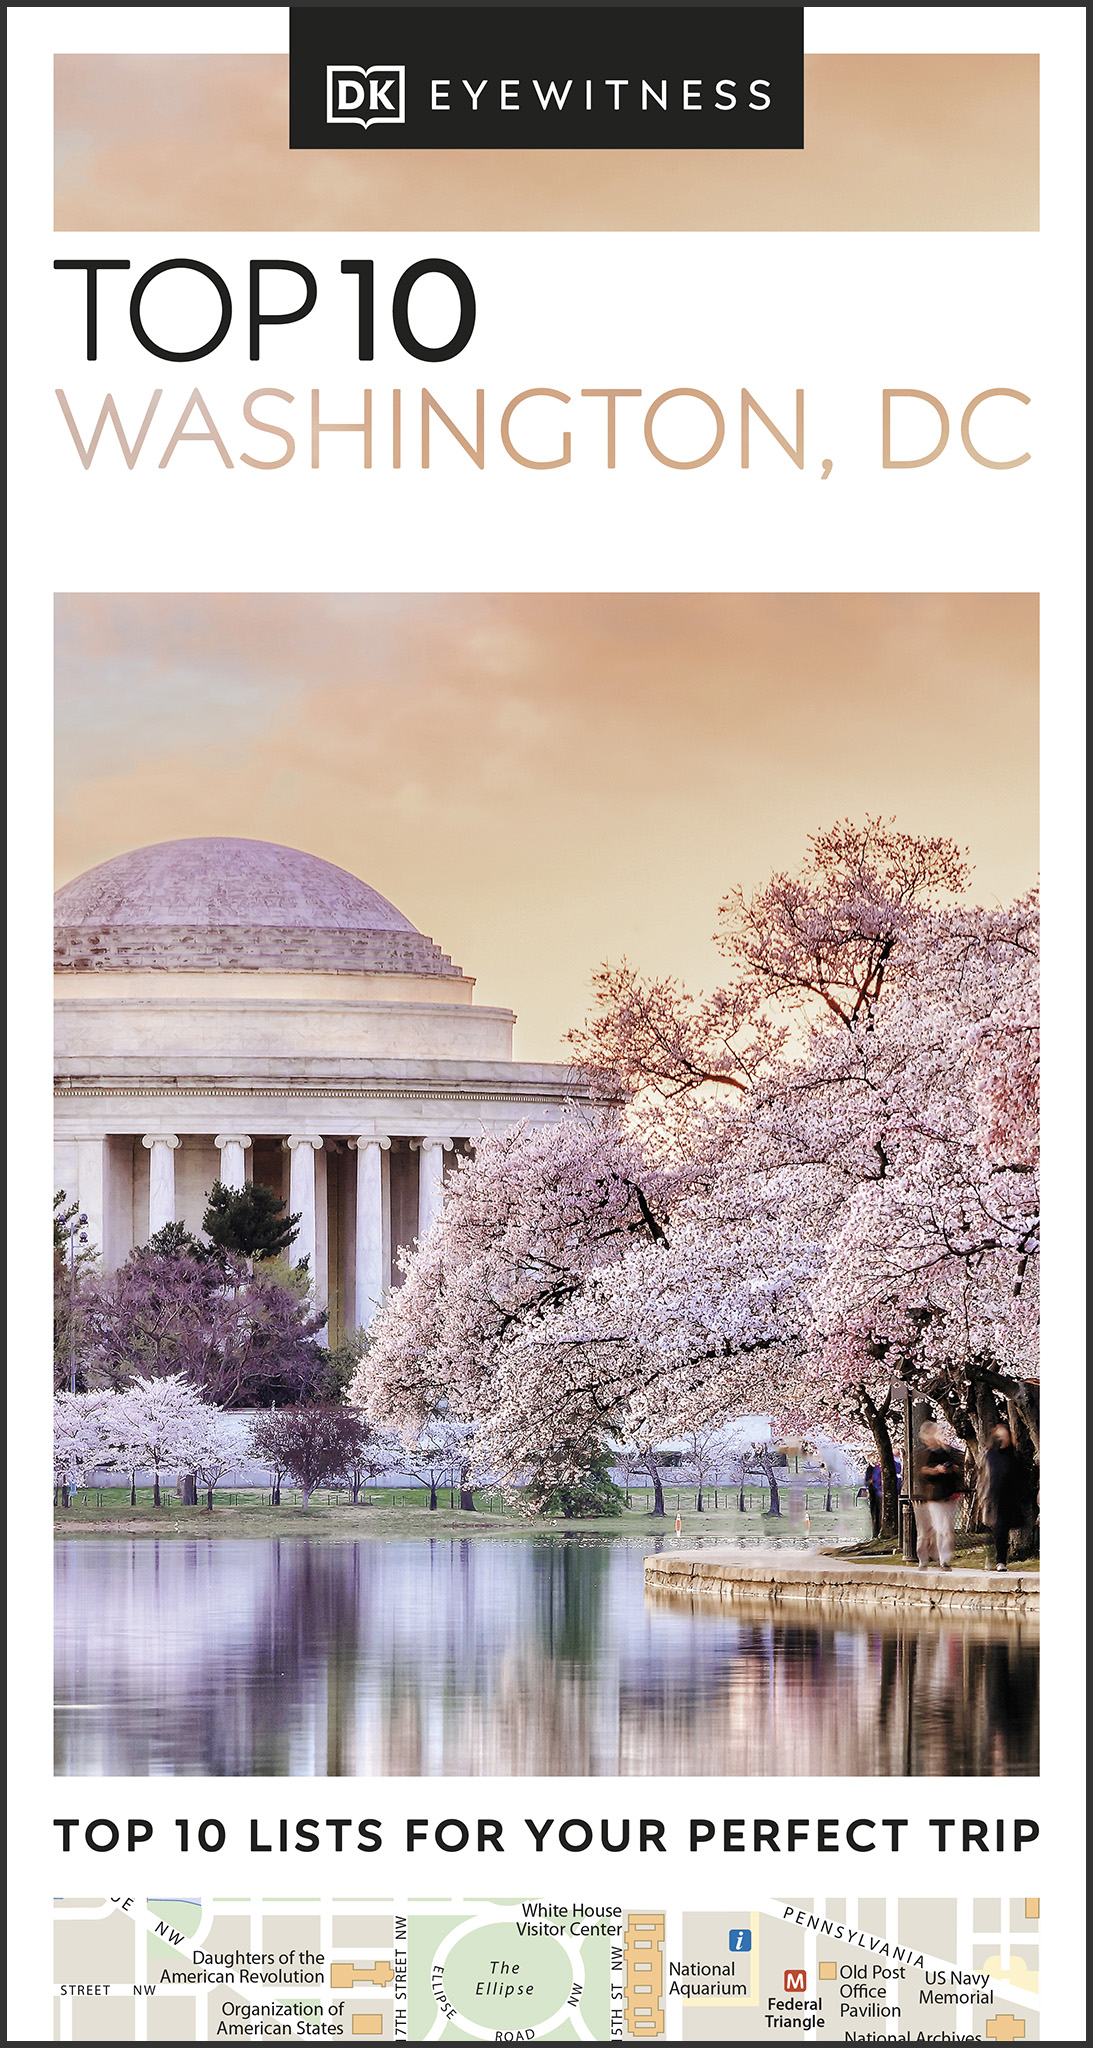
(739, 1939)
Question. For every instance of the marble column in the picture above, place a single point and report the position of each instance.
(369, 1288)
(430, 1186)
(301, 1198)
(233, 1160)
(161, 1180)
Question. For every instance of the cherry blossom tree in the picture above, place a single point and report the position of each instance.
(313, 1443)
(712, 1447)
(84, 1439)
(440, 1453)
(642, 1455)
(816, 1180)
(523, 1223)
(367, 1452)
(932, 1267)
(212, 1452)
(901, 1099)
(549, 1303)
(703, 1454)
(161, 1424)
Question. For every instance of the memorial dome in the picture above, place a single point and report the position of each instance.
(234, 905)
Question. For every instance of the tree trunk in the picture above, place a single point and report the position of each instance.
(774, 1511)
(64, 1497)
(209, 1498)
(658, 1493)
(306, 1491)
(740, 1501)
(1025, 1404)
(827, 1499)
(877, 1418)
(188, 1487)
(698, 1499)
(356, 1493)
(132, 1489)
(275, 1494)
(156, 1497)
(1025, 1431)
(466, 1499)
(432, 1496)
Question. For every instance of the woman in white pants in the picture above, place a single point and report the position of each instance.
(939, 1490)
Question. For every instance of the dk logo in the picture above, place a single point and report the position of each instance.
(363, 97)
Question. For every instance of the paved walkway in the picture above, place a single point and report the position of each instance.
(807, 1579)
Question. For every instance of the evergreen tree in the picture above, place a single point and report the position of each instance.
(585, 1490)
(249, 1220)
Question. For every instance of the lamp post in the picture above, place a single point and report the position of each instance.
(908, 1535)
(75, 1232)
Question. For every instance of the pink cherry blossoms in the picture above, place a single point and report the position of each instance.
(818, 1178)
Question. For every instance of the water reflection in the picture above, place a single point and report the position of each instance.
(510, 1657)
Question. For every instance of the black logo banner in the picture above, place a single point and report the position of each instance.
(597, 77)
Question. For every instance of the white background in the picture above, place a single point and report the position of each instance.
(841, 315)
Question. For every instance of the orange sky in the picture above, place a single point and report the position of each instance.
(891, 142)
(542, 782)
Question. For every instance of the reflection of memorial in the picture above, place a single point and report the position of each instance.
(232, 1010)
(503, 1657)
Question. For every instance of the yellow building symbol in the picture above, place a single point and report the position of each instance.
(644, 1953)
(347, 1976)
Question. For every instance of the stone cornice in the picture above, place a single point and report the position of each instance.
(243, 949)
(394, 1093)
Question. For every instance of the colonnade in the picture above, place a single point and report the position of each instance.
(370, 1260)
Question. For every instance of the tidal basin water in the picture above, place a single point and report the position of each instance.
(495, 1656)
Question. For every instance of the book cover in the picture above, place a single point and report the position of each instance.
(546, 624)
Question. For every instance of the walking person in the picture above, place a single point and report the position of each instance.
(939, 1490)
(875, 1497)
(1003, 1493)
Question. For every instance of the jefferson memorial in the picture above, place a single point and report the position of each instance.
(232, 1010)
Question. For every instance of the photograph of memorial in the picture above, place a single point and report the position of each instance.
(546, 1185)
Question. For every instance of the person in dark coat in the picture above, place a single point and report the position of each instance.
(1003, 1493)
(874, 1489)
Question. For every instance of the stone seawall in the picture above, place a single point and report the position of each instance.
(781, 1578)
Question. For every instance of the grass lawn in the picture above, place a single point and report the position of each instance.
(404, 1511)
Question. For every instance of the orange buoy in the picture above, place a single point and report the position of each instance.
(679, 1525)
